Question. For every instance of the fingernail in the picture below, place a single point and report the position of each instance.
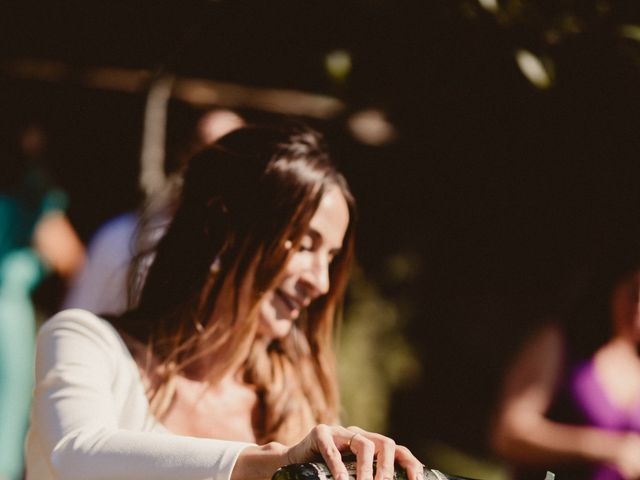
(342, 476)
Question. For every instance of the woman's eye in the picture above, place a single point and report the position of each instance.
(307, 244)
(306, 247)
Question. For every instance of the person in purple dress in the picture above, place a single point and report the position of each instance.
(571, 399)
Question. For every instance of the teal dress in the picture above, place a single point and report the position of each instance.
(21, 269)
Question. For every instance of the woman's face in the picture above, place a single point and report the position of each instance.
(306, 275)
(625, 304)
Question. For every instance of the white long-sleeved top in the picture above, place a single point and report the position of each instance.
(90, 417)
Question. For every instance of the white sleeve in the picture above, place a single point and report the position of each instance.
(76, 415)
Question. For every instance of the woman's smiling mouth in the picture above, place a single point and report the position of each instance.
(294, 305)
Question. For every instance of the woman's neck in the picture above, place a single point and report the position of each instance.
(226, 410)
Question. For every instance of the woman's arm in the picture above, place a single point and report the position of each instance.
(90, 415)
(57, 242)
(523, 434)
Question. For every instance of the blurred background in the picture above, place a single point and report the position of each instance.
(492, 146)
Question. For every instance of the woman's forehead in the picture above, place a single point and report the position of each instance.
(331, 219)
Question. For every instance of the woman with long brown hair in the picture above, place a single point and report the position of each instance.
(229, 345)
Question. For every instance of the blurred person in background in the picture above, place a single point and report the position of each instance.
(225, 367)
(35, 239)
(571, 399)
(101, 286)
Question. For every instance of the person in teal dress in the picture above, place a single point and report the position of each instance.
(35, 238)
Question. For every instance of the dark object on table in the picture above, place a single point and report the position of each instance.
(320, 471)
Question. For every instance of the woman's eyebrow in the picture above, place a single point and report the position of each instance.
(318, 239)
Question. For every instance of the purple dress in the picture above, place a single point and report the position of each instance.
(596, 409)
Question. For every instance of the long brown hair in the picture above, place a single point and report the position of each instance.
(243, 199)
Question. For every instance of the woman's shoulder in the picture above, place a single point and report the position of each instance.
(79, 323)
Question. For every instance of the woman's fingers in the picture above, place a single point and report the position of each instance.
(330, 441)
(386, 453)
(383, 448)
(413, 467)
(365, 451)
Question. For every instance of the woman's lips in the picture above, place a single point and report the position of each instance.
(292, 304)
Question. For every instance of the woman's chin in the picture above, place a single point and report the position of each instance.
(276, 328)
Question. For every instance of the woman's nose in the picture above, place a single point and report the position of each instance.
(317, 277)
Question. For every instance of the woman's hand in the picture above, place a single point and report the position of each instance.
(332, 441)
(627, 457)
